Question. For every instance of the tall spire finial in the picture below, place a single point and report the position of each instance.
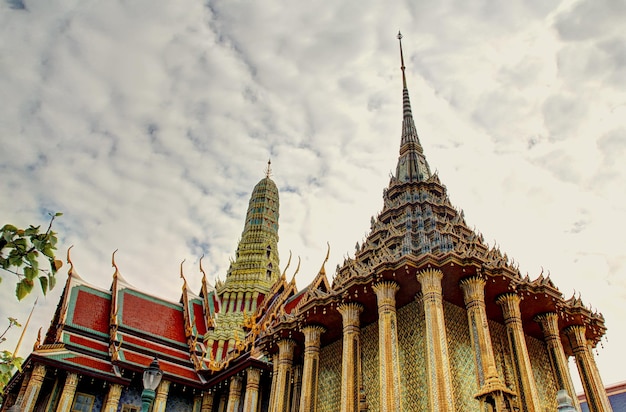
(402, 60)
(268, 170)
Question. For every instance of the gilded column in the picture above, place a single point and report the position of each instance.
(234, 394)
(550, 326)
(113, 398)
(389, 363)
(312, 338)
(488, 380)
(283, 378)
(297, 388)
(251, 400)
(595, 393)
(207, 401)
(160, 399)
(34, 386)
(274, 389)
(23, 386)
(351, 356)
(67, 396)
(529, 398)
(439, 379)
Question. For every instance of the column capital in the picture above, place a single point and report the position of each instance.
(576, 335)
(350, 312)
(386, 293)
(253, 376)
(285, 349)
(549, 322)
(430, 280)
(312, 335)
(473, 289)
(509, 302)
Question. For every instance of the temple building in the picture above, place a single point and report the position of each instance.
(425, 317)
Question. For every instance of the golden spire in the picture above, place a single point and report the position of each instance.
(19, 342)
(268, 170)
(402, 60)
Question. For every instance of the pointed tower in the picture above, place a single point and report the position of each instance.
(417, 216)
(254, 271)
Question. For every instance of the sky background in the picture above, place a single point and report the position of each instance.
(148, 123)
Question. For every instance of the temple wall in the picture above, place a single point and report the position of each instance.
(369, 364)
(330, 378)
(412, 345)
(544, 377)
(411, 341)
(462, 364)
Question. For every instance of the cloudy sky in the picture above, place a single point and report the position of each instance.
(147, 123)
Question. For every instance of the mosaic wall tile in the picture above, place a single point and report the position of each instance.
(412, 343)
(369, 365)
(462, 363)
(329, 392)
(544, 377)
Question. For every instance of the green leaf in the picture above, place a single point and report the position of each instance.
(58, 214)
(52, 281)
(24, 287)
(9, 228)
(30, 273)
(44, 284)
(14, 321)
(47, 250)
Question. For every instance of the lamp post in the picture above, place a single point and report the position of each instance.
(151, 378)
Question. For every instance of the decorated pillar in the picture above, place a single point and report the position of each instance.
(389, 363)
(234, 394)
(351, 357)
(489, 382)
(67, 396)
(529, 398)
(297, 388)
(23, 386)
(438, 363)
(207, 401)
(310, 370)
(160, 398)
(113, 398)
(273, 389)
(282, 389)
(34, 386)
(251, 400)
(597, 399)
(550, 326)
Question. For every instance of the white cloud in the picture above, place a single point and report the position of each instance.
(148, 124)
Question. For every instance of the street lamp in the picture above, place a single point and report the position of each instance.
(151, 378)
